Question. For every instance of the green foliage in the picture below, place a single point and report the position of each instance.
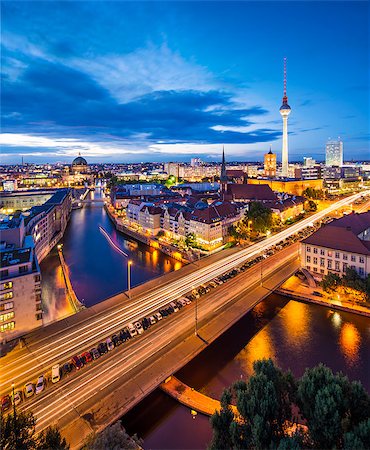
(261, 217)
(113, 438)
(336, 411)
(51, 439)
(312, 205)
(313, 193)
(221, 422)
(19, 434)
(190, 240)
(351, 279)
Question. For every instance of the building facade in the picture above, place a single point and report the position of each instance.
(270, 165)
(334, 153)
(340, 244)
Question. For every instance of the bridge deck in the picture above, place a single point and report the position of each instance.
(192, 398)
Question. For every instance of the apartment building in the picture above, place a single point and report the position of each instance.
(20, 281)
(342, 243)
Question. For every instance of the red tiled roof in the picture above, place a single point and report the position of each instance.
(250, 192)
(341, 234)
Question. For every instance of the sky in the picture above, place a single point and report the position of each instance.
(166, 81)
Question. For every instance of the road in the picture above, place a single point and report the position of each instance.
(58, 346)
(82, 396)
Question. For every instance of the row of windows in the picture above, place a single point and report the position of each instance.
(6, 316)
(6, 295)
(7, 285)
(337, 255)
(6, 306)
(7, 327)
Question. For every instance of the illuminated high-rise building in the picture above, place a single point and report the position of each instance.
(285, 111)
(334, 153)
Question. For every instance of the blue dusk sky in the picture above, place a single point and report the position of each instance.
(157, 81)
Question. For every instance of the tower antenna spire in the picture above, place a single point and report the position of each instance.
(285, 98)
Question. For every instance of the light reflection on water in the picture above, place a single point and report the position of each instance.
(350, 342)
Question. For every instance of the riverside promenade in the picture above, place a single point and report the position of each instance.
(192, 398)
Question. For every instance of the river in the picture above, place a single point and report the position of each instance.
(97, 270)
(294, 334)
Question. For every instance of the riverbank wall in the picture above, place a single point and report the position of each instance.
(173, 252)
(341, 306)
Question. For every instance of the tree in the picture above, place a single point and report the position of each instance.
(313, 193)
(312, 205)
(335, 410)
(190, 239)
(261, 217)
(330, 281)
(51, 439)
(113, 438)
(18, 433)
(221, 422)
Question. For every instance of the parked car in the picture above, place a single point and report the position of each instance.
(18, 397)
(139, 327)
(318, 294)
(152, 320)
(29, 389)
(67, 368)
(102, 348)
(132, 330)
(145, 323)
(125, 335)
(158, 316)
(5, 403)
(116, 340)
(40, 385)
(94, 353)
(77, 362)
(86, 357)
(55, 373)
(174, 306)
(110, 345)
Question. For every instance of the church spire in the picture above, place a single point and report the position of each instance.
(223, 166)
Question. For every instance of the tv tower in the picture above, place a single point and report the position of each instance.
(285, 111)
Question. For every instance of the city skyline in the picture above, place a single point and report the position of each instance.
(163, 84)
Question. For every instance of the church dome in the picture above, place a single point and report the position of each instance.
(79, 161)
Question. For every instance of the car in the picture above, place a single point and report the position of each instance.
(86, 357)
(110, 345)
(318, 294)
(145, 323)
(40, 385)
(174, 306)
(77, 362)
(163, 313)
(55, 373)
(102, 348)
(67, 368)
(139, 327)
(29, 389)
(94, 353)
(17, 398)
(132, 330)
(158, 316)
(5, 403)
(181, 302)
(124, 335)
(152, 320)
(116, 339)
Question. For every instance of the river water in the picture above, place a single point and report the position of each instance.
(97, 270)
(295, 335)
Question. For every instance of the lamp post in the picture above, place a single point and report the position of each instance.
(196, 317)
(15, 431)
(129, 278)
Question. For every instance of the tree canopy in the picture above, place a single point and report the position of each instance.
(335, 410)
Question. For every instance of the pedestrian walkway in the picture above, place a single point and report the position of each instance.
(74, 301)
(191, 398)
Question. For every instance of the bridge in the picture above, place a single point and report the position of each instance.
(102, 392)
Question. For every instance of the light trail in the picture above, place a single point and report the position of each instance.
(113, 244)
(71, 342)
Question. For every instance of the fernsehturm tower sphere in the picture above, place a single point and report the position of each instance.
(285, 111)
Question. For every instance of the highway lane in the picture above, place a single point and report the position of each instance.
(55, 403)
(63, 344)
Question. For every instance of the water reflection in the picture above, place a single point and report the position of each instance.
(261, 346)
(97, 270)
(296, 318)
(350, 342)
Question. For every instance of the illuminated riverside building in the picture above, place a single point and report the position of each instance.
(20, 288)
(342, 243)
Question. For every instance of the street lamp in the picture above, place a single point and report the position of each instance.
(14, 418)
(129, 264)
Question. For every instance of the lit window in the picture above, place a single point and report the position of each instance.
(6, 316)
(7, 327)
